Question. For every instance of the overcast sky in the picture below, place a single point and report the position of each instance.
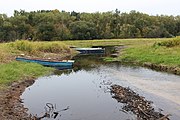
(152, 7)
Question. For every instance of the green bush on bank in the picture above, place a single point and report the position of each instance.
(32, 47)
(52, 47)
(169, 43)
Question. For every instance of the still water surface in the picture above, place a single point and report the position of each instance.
(85, 91)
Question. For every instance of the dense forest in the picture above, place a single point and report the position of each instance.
(51, 25)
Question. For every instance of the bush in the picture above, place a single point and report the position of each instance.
(169, 43)
(23, 45)
(32, 47)
(52, 47)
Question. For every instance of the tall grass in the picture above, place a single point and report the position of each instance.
(31, 47)
(5, 54)
(23, 45)
(52, 47)
(169, 43)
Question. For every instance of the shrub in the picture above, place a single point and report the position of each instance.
(22, 45)
(32, 47)
(169, 43)
(52, 47)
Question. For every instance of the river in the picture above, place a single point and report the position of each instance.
(82, 93)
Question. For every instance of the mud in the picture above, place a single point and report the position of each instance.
(10, 102)
(136, 104)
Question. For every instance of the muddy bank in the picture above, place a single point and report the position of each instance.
(159, 67)
(118, 51)
(165, 68)
(10, 101)
(136, 104)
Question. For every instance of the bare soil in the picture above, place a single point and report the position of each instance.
(11, 107)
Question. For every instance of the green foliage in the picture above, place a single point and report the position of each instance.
(45, 31)
(83, 30)
(23, 45)
(169, 43)
(34, 47)
(52, 25)
(53, 47)
(16, 71)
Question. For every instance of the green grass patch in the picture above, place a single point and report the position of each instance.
(16, 71)
(148, 53)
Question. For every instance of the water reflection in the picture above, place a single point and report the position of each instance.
(85, 88)
(50, 112)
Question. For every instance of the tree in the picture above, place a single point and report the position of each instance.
(83, 30)
(45, 32)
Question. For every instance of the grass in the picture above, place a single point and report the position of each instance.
(169, 43)
(148, 52)
(5, 54)
(162, 55)
(15, 71)
(155, 51)
(38, 48)
(140, 50)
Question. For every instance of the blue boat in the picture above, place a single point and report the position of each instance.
(62, 64)
(90, 50)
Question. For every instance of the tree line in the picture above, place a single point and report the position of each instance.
(48, 25)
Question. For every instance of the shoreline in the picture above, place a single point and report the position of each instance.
(11, 106)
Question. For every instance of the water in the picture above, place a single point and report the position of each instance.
(85, 91)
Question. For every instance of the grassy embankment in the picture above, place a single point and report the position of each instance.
(162, 54)
(155, 51)
(12, 70)
(166, 52)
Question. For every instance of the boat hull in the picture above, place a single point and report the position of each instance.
(90, 50)
(48, 63)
